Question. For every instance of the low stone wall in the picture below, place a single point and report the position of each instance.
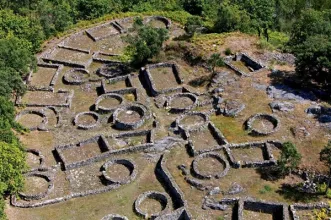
(248, 61)
(113, 24)
(41, 166)
(263, 145)
(50, 187)
(195, 127)
(52, 82)
(126, 79)
(142, 111)
(71, 80)
(178, 214)
(159, 196)
(166, 21)
(90, 126)
(105, 72)
(130, 165)
(102, 109)
(41, 113)
(177, 110)
(278, 210)
(170, 184)
(150, 82)
(114, 217)
(216, 156)
(273, 119)
(106, 61)
(310, 206)
(218, 136)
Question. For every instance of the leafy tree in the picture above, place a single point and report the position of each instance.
(55, 16)
(88, 9)
(325, 156)
(146, 44)
(192, 24)
(12, 165)
(311, 44)
(21, 27)
(289, 159)
(194, 7)
(261, 13)
(231, 17)
(15, 53)
(215, 60)
(10, 81)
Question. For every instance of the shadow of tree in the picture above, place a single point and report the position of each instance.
(291, 192)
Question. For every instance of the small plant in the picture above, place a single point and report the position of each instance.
(266, 188)
(228, 51)
(130, 97)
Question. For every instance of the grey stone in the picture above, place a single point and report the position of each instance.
(282, 106)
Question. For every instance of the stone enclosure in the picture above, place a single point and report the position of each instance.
(110, 125)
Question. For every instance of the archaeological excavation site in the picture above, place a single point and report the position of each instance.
(173, 139)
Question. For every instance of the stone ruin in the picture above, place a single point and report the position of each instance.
(126, 129)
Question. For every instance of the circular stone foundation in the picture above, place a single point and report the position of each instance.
(114, 217)
(192, 121)
(182, 102)
(214, 173)
(86, 120)
(130, 117)
(262, 124)
(159, 197)
(129, 166)
(33, 119)
(112, 70)
(41, 179)
(76, 76)
(108, 102)
(35, 159)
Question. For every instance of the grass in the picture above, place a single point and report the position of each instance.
(265, 189)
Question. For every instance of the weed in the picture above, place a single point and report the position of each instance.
(228, 51)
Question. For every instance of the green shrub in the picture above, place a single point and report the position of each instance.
(263, 44)
(228, 51)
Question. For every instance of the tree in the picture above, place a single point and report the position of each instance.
(146, 44)
(289, 159)
(215, 60)
(15, 53)
(261, 13)
(194, 7)
(325, 156)
(231, 18)
(192, 24)
(311, 44)
(12, 166)
(21, 27)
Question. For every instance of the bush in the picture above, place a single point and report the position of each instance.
(289, 159)
(228, 51)
(146, 44)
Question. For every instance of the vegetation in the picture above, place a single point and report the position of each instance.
(289, 159)
(300, 26)
(215, 60)
(146, 44)
(325, 156)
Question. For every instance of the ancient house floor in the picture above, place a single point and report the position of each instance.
(105, 144)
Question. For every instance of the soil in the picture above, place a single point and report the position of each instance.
(151, 206)
(129, 116)
(210, 166)
(263, 125)
(30, 120)
(35, 185)
(250, 215)
(82, 152)
(43, 76)
(86, 120)
(164, 78)
(118, 172)
(109, 103)
(181, 102)
(192, 121)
